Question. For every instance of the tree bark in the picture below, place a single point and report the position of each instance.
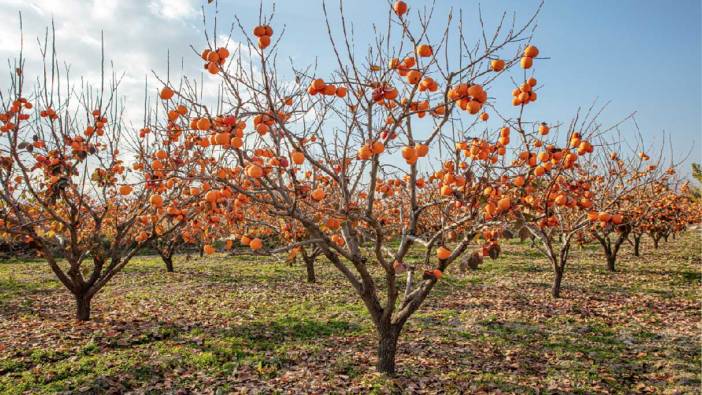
(637, 245)
(309, 265)
(169, 263)
(611, 260)
(387, 350)
(556, 289)
(311, 277)
(83, 307)
(655, 243)
(608, 251)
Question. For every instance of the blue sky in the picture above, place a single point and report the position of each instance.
(643, 56)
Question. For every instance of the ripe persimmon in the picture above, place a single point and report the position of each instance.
(400, 7)
(254, 171)
(166, 93)
(203, 124)
(443, 253)
(504, 203)
(264, 42)
(543, 129)
(318, 194)
(377, 147)
(156, 201)
(497, 65)
(125, 190)
(531, 51)
(256, 244)
(413, 77)
(298, 157)
(365, 152)
(409, 153)
(259, 31)
(424, 50)
(422, 150)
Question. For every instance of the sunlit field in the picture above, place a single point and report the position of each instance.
(224, 323)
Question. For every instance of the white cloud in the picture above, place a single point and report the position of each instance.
(172, 9)
(138, 36)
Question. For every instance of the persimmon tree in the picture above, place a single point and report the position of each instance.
(571, 191)
(553, 182)
(367, 154)
(64, 180)
(649, 205)
(619, 191)
(284, 236)
(670, 213)
(641, 204)
(174, 160)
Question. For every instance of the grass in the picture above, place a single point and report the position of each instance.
(228, 323)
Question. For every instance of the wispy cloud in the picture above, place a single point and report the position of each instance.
(138, 36)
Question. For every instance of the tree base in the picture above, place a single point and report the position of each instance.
(387, 350)
(82, 308)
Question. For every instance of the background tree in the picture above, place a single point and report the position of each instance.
(553, 182)
(619, 190)
(64, 182)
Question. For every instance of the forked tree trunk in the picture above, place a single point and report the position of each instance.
(83, 307)
(614, 250)
(655, 242)
(387, 349)
(609, 253)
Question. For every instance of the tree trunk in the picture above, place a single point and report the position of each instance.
(309, 260)
(169, 263)
(556, 289)
(611, 260)
(637, 245)
(655, 243)
(387, 349)
(82, 308)
(609, 252)
(311, 277)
